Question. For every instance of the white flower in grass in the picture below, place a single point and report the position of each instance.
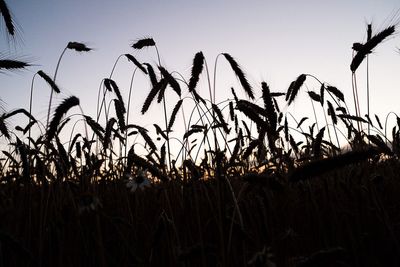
(139, 181)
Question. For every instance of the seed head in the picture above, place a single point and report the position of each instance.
(79, 47)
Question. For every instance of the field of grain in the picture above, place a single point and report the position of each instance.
(249, 184)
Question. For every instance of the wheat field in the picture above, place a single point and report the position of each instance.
(240, 182)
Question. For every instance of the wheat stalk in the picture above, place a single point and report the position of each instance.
(160, 132)
(220, 118)
(151, 73)
(153, 93)
(120, 112)
(79, 47)
(332, 113)
(269, 106)
(111, 85)
(9, 64)
(3, 128)
(317, 143)
(173, 115)
(197, 68)
(60, 111)
(107, 135)
(171, 80)
(8, 20)
(294, 88)
(336, 92)
(96, 128)
(142, 43)
(137, 63)
(240, 74)
(52, 84)
(367, 48)
(318, 167)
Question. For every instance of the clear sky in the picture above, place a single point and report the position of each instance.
(274, 41)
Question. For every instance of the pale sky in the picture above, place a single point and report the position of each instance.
(274, 41)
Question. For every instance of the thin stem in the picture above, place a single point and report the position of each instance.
(315, 114)
(386, 120)
(182, 109)
(215, 76)
(54, 79)
(355, 96)
(30, 109)
(165, 115)
(334, 99)
(368, 92)
(212, 99)
(103, 103)
(326, 121)
(209, 82)
(105, 91)
(201, 114)
(128, 109)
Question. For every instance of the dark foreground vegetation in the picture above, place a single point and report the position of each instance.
(249, 184)
(346, 217)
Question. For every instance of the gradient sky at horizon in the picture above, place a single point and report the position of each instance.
(274, 41)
